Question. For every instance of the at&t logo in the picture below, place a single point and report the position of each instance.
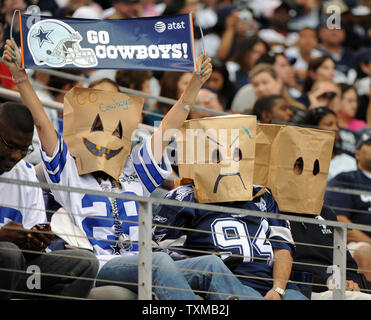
(161, 26)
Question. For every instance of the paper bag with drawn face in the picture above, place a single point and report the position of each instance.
(217, 153)
(97, 128)
(294, 162)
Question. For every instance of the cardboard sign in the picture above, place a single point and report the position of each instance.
(279, 148)
(217, 153)
(153, 43)
(97, 128)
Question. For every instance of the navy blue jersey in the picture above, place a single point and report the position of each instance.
(341, 202)
(251, 237)
(316, 257)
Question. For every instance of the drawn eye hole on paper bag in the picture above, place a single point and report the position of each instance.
(97, 128)
(217, 153)
(293, 162)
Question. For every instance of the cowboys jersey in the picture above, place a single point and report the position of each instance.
(102, 219)
(249, 236)
(21, 203)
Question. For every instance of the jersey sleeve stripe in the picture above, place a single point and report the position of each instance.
(57, 164)
(53, 164)
(151, 168)
(142, 174)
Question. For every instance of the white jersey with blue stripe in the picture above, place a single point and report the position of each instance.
(94, 215)
(21, 203)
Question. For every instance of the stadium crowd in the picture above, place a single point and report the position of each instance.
(303, 63)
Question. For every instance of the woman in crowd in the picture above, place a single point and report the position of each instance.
(325, 118)
(172, 85)
(320, 68)
(348, 109)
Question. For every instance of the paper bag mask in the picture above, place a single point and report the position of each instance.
(97, 128)
(278, 149)
(217, 153)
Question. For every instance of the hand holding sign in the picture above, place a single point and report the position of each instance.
(12, 59)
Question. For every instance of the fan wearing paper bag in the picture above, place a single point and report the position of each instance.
(216, 163)
(294, 162)
(95, 153)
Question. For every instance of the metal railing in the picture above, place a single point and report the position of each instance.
(145, 231)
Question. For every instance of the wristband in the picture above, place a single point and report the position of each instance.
(19, 80)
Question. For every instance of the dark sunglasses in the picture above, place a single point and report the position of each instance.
(328, 95)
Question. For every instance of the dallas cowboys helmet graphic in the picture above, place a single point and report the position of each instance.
(55, 43)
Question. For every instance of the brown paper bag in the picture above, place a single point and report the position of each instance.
(97, 128)
(217, 153)
(278, 148)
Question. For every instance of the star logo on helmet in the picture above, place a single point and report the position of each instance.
(43, 36)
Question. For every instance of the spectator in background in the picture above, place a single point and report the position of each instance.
(272, 109)
(277, 32)
(353, 208)
(172, 85)
(285, 72)
(363, 83)
(331, 43)
(124, 9)
(234, 28)
(325, 118)
(206, 98)
(303, 51)
(247, 53)
(307, 14)
(264, 81)
(137, 80)
(219, 81)
(324, 93)
(348, 109)
(320, 68)
(105, 84)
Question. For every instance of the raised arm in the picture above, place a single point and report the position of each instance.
(44, 127)
(179, 112)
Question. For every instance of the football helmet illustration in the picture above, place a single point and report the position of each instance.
(55, 43)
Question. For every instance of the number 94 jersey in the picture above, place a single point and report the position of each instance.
(254, 238)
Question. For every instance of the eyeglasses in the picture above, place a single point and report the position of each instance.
(11, 148)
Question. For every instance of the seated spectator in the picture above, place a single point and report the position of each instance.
(219, 81)
(172, 85)
(23, 214)
(137, 80)
(124, 9)
(277, 32)
(303, 51)
(205, 241)
(313, 250)
(325, 118)
(206, 98)
(234, 27)
(285, 72)
(247, 53)
(331, 43)
(105, 84)
(363, 83)
(271, 109)
(320, 68)
(324, 93)
(351, 208)
(348, 109)
(306, 14)
(264, 81)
